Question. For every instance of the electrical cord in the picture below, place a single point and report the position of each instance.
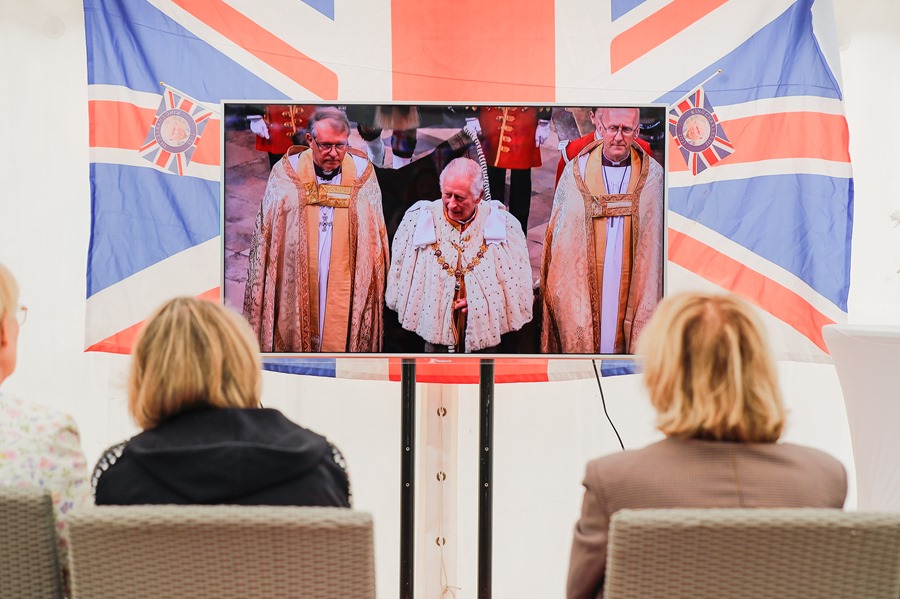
(603, 400)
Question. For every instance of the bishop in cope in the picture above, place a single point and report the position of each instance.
(601, 267)
(319, 253)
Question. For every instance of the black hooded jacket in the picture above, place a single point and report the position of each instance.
(224, 456)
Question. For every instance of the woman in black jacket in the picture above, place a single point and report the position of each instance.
(194, 389)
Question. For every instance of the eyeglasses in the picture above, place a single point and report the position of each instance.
(338, 147)
(615, 130)
(22, 315)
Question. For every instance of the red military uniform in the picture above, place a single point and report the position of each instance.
(283, 121)
(508, 141)
(509, 136)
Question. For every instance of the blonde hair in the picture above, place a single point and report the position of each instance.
(192, 353)
(9, 293)
(709, 372)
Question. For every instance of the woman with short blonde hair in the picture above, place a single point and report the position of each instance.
(195, 390)
(713, 384)
(708, 371)
(192, 353)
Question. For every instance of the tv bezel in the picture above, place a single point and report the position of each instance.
(547, 164)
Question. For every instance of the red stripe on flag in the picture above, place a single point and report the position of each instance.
(270, 49)
(473, 51)
(121, 342)
(162, 158)
(659, 27)
(799, 135)
(728, 273)
(125, 126)
(465, 371)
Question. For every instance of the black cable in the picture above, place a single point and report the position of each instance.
(603, 399)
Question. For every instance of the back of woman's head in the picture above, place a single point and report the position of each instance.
(708, 370)
(192, 353)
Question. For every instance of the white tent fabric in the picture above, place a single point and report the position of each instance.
(867, 360)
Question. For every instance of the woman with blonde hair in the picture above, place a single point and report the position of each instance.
(39, 446)
(194, 389)
(713, 384)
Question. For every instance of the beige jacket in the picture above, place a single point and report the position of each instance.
(677, 473)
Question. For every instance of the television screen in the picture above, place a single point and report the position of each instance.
(399, 229)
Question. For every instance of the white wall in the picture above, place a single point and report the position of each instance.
(544, 432)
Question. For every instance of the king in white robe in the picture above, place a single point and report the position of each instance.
(433, 259)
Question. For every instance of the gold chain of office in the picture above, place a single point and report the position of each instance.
(458, 273)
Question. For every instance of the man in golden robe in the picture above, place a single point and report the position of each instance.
(602, 263)
(319, 253)
(459, 275)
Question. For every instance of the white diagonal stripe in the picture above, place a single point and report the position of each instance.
(190, 272)
(754, 261)
(583, 53)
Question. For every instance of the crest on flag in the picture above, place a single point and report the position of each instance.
(697, 132)
(175, 131)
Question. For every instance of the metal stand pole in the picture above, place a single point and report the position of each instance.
(407, 477)
(485, 477)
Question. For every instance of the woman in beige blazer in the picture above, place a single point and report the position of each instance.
(713, 384)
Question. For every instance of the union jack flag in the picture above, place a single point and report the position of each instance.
(697, 132)
(175, 131)
(772, 222)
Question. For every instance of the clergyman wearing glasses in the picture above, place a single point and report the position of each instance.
(319, 252)
(602, 262)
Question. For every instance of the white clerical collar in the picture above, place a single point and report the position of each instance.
(607, 162)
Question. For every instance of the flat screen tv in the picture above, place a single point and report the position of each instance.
(545, 235)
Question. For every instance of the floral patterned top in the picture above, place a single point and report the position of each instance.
(40, 447)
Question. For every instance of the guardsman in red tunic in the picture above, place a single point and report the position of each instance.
(280, 127)
(512, 137)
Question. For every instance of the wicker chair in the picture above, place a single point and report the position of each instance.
(743, 553)
(220, 552)
(29, 558)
